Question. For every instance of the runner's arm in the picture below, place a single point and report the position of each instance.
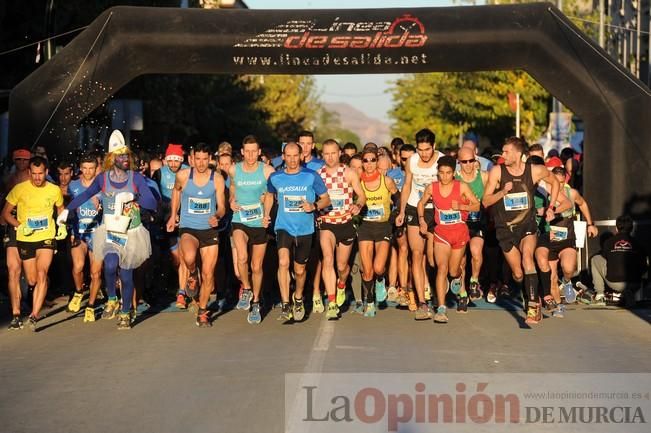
(420, 207)
(353, 180)
(232, 202)
(406, 188)
(145, 198)
(585, 210)
(221, 197)
(7, 214)
(90, 192)
(175, 203)
(490, 196)
(473, 205)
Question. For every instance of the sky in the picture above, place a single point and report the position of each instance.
(367, 93)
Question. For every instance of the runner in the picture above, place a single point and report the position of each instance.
(251, 205)
(336, 231)
(299, 192)
(510, 188)
(89, 216)
(199, 191)
(453, 200)
(121, 241)
(420, 172)
(34, 201)
(470, 174)
(375, 231)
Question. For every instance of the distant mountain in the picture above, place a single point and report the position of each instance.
(368, 129)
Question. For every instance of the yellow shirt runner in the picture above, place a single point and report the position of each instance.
(35, 209)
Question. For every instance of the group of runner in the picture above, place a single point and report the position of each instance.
(400, 214)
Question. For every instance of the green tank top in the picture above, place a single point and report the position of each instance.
(476, 185)
(568, 193)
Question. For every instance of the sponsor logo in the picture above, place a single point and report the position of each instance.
(292, 188)
(404, 31)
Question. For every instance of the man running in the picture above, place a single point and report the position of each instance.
(251, 205)
(470, 174)
(299, 192)
(453, 200)
(88, 219)
(420, 172)
(199, 191)
(34, 201)
(510, 189)
(336, 231)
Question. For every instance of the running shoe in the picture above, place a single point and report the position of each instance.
(358, 308)
(341, 296)
(333, 311)
(369, 309)
(474, 291)
(599, 300)
(392, 296)
(569, 292)
(193, 306)
(89, 315)
(424, 312)
(533, 314)
(181, 302)
(16, 323)
(462, 304)
(455, 285)
(285, 312)
(503, 290)
(100, 295)
(124, 321)
(412, 301)
(75, 303)
(428, 293)
(402, 299)
(203, 319)
(490, 296)
(192, 284)
(31, 322)
(441, 315)
(550, 303)
(559, 312)
(254, 317)
(380, 290)
(317, 304)
(110, 309)
(133, 314)
(245, 300)
(298, 309)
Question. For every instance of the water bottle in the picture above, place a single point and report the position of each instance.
(570, 293)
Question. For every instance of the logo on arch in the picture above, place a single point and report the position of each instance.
(405, 31)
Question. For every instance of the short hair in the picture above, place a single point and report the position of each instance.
(293, 143)
(624, 224)
(559, 170)
(408, 148)
(370, 144)
(567, 153)
(305, 133)
(397, 142)
(201, 147)
(517, 142)
(350, 145)
(88, 157)
(355, 156)
(369, 150)
(38, 161)
(344, 159)
(250, 139)
(536, 160)
(65, 163)
(425, 135)
(223, 147)
(536, 147)
(330, 141)
(447, 161)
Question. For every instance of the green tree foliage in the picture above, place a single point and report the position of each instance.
(453, 103)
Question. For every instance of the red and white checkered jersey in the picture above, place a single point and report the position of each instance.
(341, 197)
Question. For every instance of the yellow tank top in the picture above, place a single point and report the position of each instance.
(378, 203)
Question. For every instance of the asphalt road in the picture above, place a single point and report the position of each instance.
(167, 375)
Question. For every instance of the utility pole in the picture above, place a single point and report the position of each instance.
(602, 24)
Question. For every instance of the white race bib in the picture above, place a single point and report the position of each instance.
(251, 212)
(337, 199)
(293, 203)
(516, 201)
(448, 217)
(199, 206)
(38, 223)
(374, 213)
(557, 234)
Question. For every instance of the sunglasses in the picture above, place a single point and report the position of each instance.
(369, 160)
(467, 161)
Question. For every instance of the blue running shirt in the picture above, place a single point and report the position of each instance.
(291, 190)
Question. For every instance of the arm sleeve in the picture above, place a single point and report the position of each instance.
(82, 198)
(145, 198)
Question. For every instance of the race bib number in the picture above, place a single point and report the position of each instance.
(293, 203)
(516, 201)
(38, 223)
(375, 213)
(86, 225)
(117, 239)
(557, 234)
(448, 217)
(337, 199)
(199, 206)
(474, 217)
(251, 212)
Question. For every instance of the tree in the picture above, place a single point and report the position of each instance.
(329, 126)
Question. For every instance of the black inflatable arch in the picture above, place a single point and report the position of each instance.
(125, 42)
